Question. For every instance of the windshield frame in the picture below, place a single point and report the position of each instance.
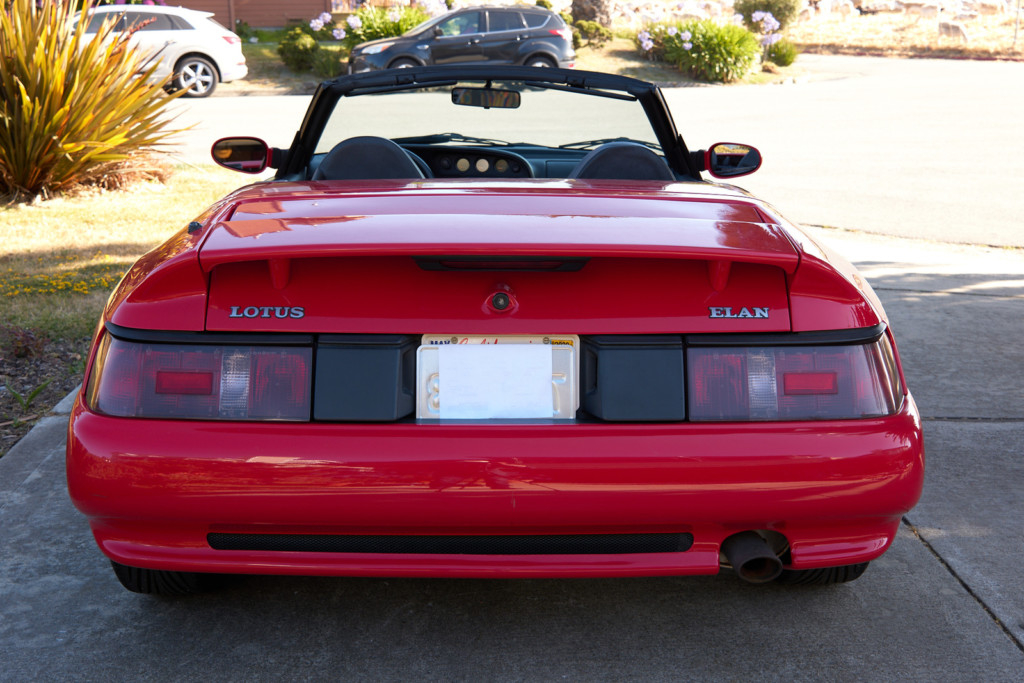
(330, 93)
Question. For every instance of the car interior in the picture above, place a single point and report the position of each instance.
(375, 158)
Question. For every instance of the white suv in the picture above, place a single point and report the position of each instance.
(190, 44)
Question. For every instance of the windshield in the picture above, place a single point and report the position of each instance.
(545, 117)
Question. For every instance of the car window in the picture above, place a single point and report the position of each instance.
(503, 21)
(156, 22)
(462, 24)
(183, 25)
(535, 19)
(97, 20)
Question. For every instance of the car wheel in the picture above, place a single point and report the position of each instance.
(156, 581)
(824, 576)
(542, 62)
(196, 76)
(402, 64)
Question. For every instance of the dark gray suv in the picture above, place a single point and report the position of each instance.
(504, 35)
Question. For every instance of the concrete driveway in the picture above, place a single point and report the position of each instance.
(944, 604)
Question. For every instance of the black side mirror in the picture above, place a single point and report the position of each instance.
(731, 160)
(248, 155)
(438, 32)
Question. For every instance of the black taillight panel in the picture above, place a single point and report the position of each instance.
(365, 377)
(630, 378)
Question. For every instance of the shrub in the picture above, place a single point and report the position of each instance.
(371, 23)
(782, 53)
(298, 50)
(329, 62)
(546, 4)
(73, 108)
(784, 11)
(709, 51)
(595, 34)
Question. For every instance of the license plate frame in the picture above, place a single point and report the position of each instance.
(565, 360)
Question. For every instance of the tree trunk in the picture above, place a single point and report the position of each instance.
(593, 10)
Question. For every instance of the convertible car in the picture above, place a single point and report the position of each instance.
(492, 322)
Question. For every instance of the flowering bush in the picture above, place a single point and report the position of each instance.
(371, 23)
(704, 49)
(767, 26)
(782, 11)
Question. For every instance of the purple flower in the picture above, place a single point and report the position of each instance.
(354, 22)
(324, 17)
(316, 24)
(338, 33)
(685, 35)
(771, 39)
(643, 36)
(756, 17)
(687, 46)
(147, 2)
(647, 45)
(394, 15)
(672, 30)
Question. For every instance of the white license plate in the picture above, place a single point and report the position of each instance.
(471, 377)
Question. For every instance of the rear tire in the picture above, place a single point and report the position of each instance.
(542, 62)
(196, 76)
(824, 576)
(157, 581)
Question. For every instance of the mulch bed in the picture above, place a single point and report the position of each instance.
(25, 367)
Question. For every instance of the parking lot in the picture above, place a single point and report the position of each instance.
(944, 604)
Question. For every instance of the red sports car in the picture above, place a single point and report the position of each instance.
(538, 345)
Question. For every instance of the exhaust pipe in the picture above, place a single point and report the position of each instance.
(751, 557)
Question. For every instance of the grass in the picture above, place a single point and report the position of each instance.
(900, 35)
(62, 257)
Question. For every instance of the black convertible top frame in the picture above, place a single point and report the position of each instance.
(586, 82)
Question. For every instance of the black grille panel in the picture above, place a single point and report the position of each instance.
(578, 544)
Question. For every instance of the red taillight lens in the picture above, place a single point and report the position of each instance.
(792, 382)
(232, 39)
(134, 379)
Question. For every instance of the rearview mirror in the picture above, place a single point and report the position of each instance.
(248, 155)
(731, 160)
(486, 98)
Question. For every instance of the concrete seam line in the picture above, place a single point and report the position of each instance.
(949, 292)
(963, 584)
(974, 420)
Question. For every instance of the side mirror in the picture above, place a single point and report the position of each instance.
(438, 32)
(248, 155)
(731, 160)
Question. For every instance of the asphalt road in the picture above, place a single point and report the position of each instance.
(914, 148)
(943, 604)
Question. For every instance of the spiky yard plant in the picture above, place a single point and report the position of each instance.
(73, 108)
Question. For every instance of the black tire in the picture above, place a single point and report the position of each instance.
(196, 76)
(822, 577)
(542, 62)
(156, 581)
(403, 64)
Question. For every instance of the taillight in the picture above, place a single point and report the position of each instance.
(792, 382)
(564, 33)
(213, 382)
(231, 39)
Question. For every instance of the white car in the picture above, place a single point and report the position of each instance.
(189, 44)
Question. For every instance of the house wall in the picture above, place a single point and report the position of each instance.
(260, 13)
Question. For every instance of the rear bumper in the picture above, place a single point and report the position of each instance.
(154, 490)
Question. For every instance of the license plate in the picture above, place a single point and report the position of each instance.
(475, 377)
